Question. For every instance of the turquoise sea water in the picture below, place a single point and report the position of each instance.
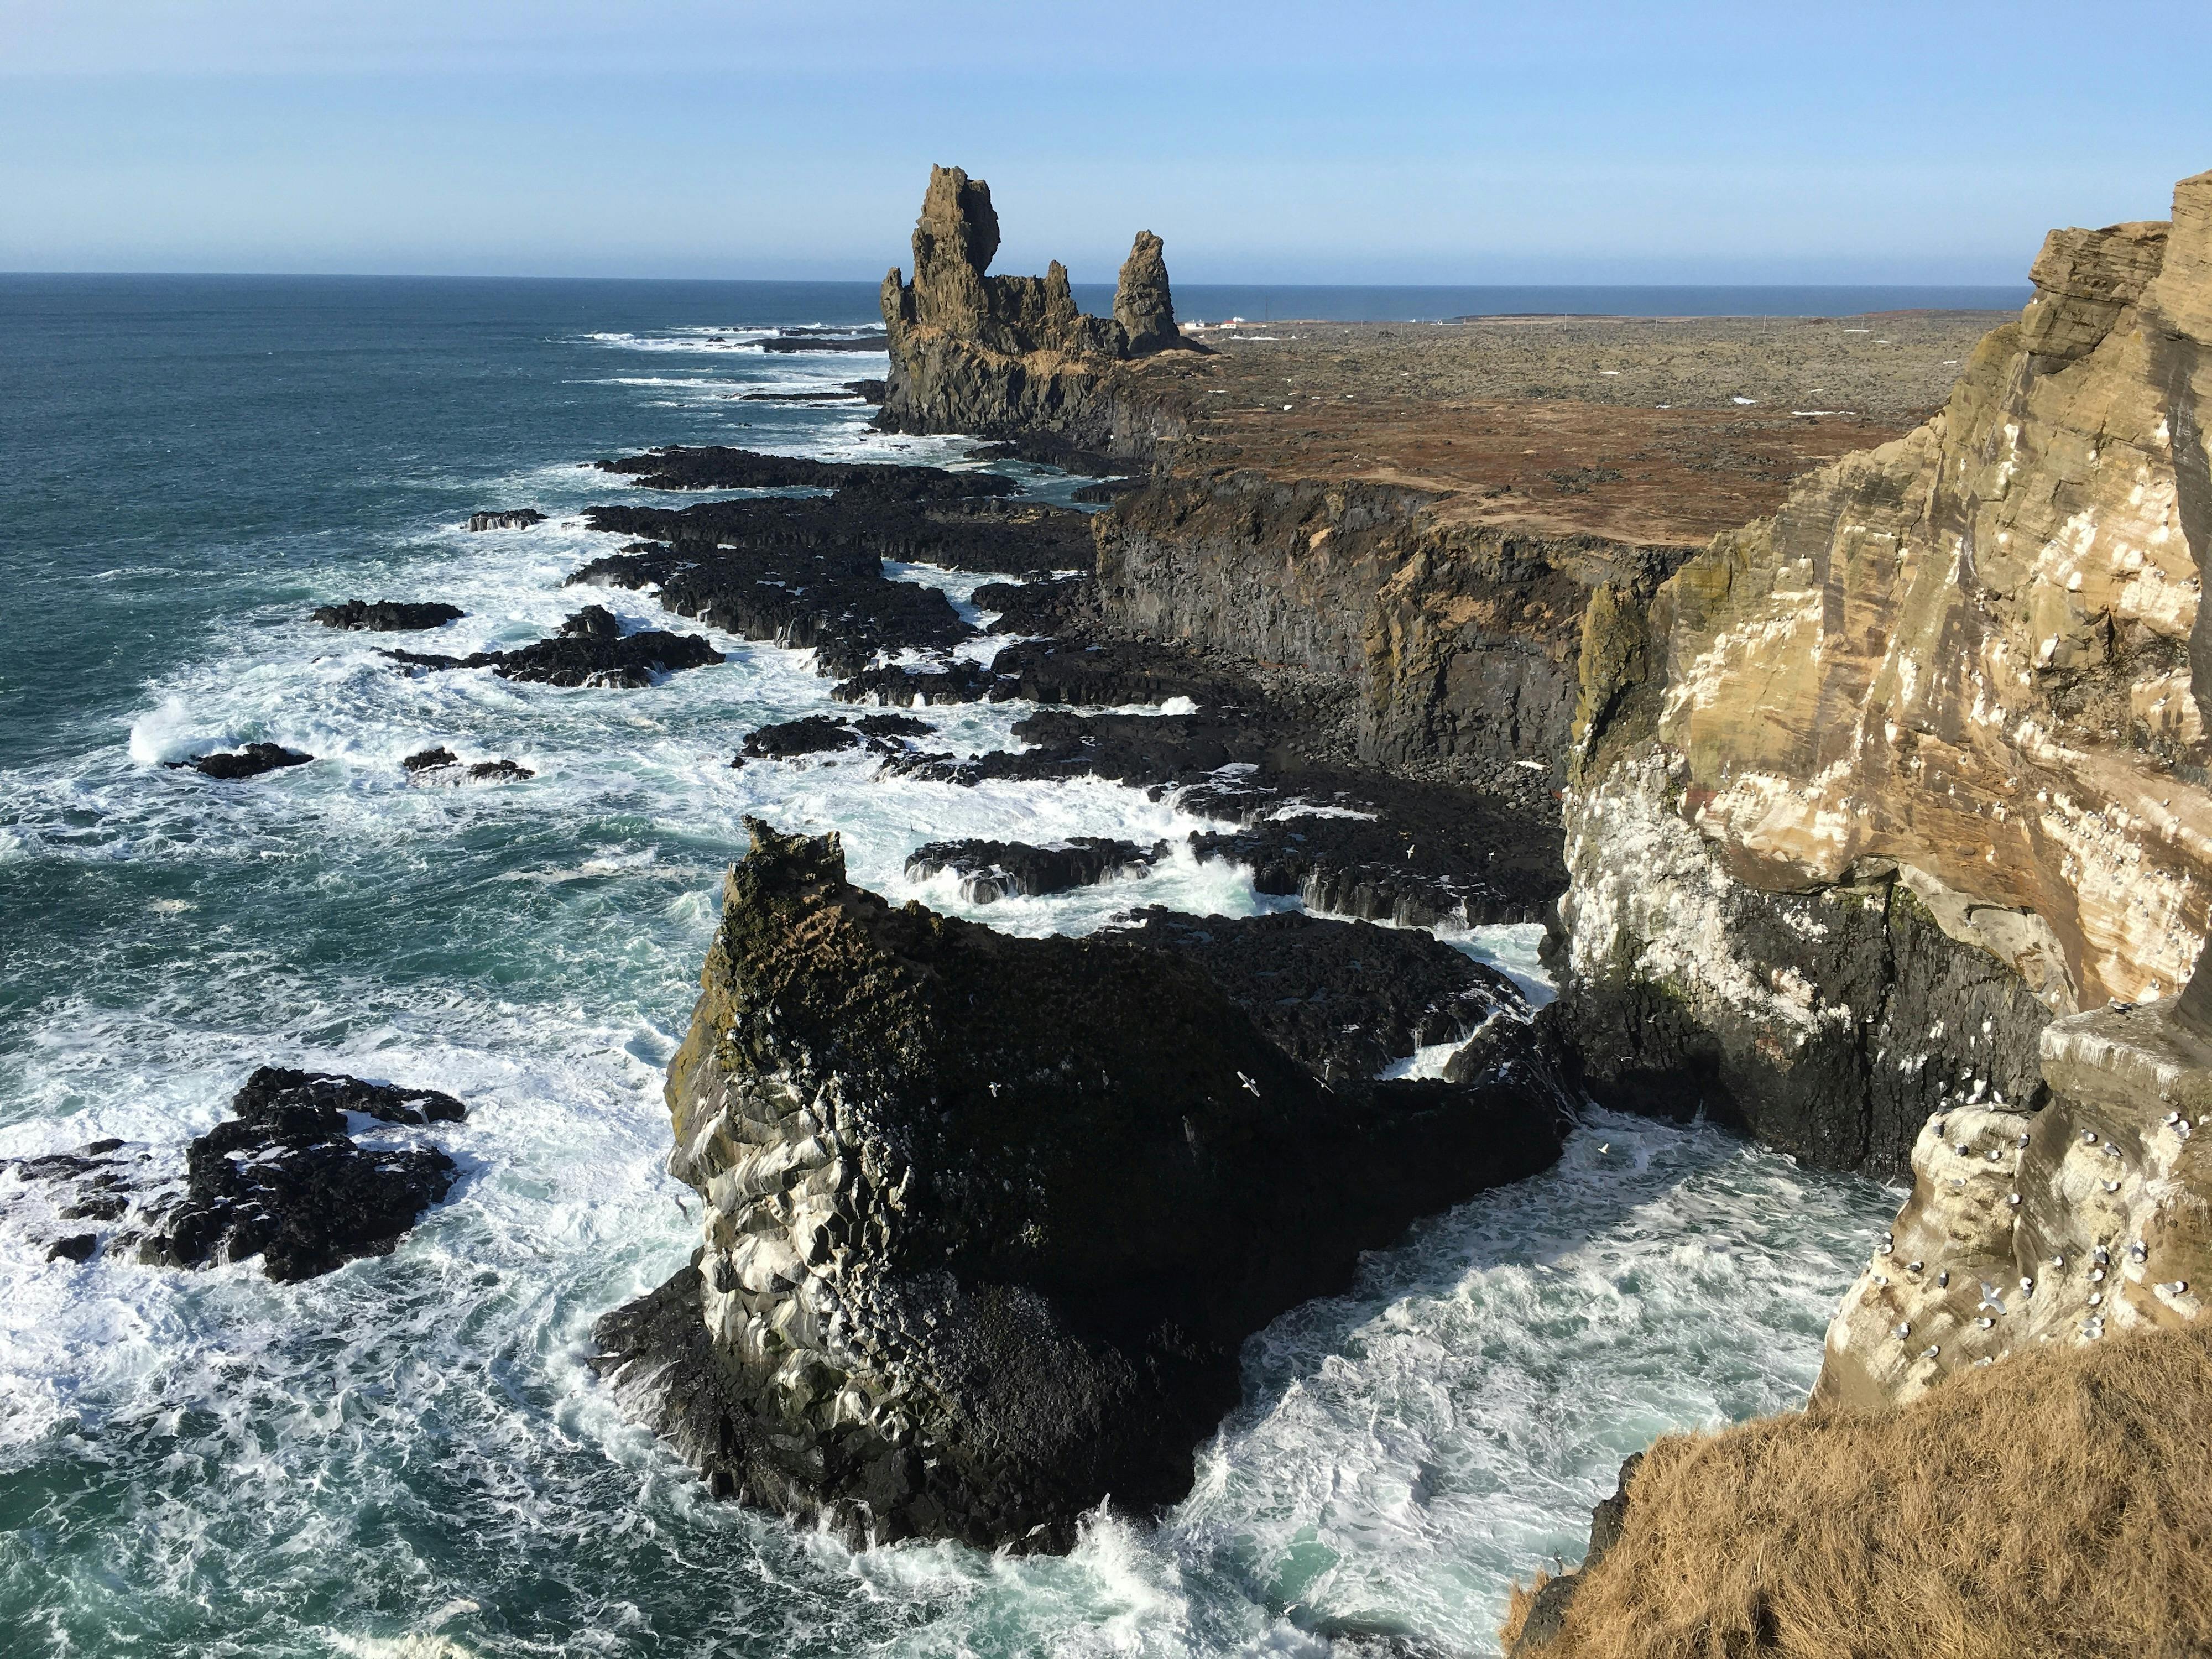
(409, 1456)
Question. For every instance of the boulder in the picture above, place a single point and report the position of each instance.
(988, 1218)
(251, 761)
(512, 519)
(387, 615)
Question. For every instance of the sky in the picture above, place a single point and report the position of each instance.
(1544, 141)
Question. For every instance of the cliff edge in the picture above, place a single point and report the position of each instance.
(1871, 790)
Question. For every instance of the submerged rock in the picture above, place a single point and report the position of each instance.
(992, 870)
(387, 615)
(251, 761)
(988, 1218)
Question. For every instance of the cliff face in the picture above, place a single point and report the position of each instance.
(996, 355)
(988, 1218)
(1957, 669)
(1462, 640)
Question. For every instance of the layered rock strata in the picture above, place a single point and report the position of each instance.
(987, 355)
(1948, 685)
(988, 1218)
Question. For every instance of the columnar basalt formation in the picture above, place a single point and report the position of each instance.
(986, 354)
(988, 1218)
(1955, 670)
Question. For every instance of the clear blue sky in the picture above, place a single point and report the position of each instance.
(1283, 142)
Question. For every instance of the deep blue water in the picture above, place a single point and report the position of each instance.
(409, 1457)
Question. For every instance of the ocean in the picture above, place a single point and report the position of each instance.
(411, 1456)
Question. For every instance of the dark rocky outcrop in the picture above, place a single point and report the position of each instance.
(251, 761)
(988, 1218)
(589, 650)
(282, 1178)
(714, 467)
(835, 602)
(1007, 538)
(387, 615)
(821, 734)
(1012, 354)
(520, 518)
(442, 765)
(992, 870)
(1353, 841)
(1063, 606)
(1344, 998)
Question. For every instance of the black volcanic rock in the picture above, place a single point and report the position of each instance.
(520, 518)
(387, 615)
(716, 467)
(282, 1178)
(1353, 841)
(992, 870)
(1013, 538)
(1059, 606)
(588, 650)
(1116, 672)
(273, 1090)
(251, 761)
(822, 734)
(988, 1218)
(1345, 998)
(285, 1181)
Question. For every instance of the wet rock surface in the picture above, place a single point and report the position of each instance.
(1350, 842)
(992, 870)
(284, 1178)
(1013, 538)
(442, 765)
(988, 1217)
(387, 615)
(251, 761)
(716, 467)
(1345, 998)
(589, 650)
(819, 734)
(520, 518)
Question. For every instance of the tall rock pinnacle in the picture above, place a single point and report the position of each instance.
(1142, 303)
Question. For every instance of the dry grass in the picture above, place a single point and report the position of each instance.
(2060, 1502)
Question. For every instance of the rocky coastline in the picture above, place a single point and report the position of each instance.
(1882, 815)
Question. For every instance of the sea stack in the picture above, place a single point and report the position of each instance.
(1010, 355)
(988, 1218)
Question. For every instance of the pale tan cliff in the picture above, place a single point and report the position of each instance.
(1967, 651)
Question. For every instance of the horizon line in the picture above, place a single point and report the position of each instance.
(2016, 283)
